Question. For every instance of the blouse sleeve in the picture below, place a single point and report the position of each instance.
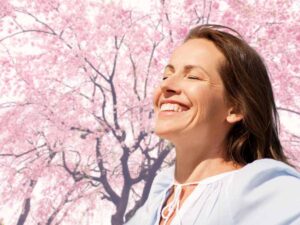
(265, 192)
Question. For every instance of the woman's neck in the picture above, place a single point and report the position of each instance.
(195, 165)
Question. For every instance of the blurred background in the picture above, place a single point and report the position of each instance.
(76, 83)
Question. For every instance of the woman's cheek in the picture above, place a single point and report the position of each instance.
(155, 98)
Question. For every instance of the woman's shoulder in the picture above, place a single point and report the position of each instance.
(266, 163)
(268, 189)
(267, 175)
(264, 171)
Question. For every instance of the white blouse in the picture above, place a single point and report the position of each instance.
(265, 192)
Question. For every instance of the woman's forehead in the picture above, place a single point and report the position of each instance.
(196, 48)
(196, 53)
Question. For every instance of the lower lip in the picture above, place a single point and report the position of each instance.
(169, 113)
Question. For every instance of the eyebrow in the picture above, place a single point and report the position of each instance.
(187, 68)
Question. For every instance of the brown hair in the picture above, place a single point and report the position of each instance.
(248, 87)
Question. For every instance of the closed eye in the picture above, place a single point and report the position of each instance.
(189, 77)
(194, 78)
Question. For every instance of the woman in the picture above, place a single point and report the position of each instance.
(215, 104)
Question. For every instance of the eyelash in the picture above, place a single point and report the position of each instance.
(193, 78)
(190, 77)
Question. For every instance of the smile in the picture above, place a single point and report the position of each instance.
(172, 107)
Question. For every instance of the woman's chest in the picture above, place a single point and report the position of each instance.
(203, 204)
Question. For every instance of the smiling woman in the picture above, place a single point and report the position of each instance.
(193, 81)
(215, 104)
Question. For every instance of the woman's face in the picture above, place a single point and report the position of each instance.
(190, 99)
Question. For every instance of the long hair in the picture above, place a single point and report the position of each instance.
(248, 87)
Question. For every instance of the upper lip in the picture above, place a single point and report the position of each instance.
(171, 101)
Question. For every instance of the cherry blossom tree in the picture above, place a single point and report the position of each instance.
(76, 108)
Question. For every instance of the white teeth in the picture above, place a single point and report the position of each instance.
(171, 107)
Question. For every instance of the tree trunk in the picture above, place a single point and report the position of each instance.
(117, 219)
(51, 218)
(25, 211)
(26, 206)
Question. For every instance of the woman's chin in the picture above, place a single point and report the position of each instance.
(166, 132)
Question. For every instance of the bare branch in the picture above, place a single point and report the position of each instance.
(25, 31)
(96, 70)
(24, 153)
(135, 78)
(37, 20)
(148, 68)
(288, 110)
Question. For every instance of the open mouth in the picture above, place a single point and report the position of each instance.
(173, 107)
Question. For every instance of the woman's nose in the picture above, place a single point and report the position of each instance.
(171, 84)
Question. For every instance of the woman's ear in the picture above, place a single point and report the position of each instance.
(234, 115)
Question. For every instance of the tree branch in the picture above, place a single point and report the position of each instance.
(288, 110)
(103, 177)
